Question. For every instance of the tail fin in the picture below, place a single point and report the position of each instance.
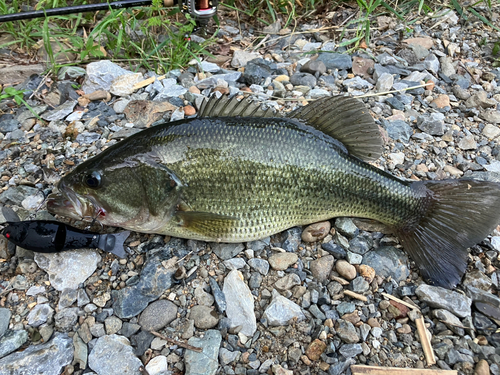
(461, 213)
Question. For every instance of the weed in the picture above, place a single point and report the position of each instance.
(12, 93)
(144, 36)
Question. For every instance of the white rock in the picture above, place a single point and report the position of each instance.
(113, 354)
(281, 310)
(491, 131)
(495, 242)
(100, 74)
(241, 58)
(68, 269)
(240, 303)
(124, 84)
(157, 366)
(397, 157)
(385, 82)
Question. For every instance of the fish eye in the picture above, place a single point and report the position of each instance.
(93, 180)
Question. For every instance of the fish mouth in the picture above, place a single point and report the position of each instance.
(70, 204)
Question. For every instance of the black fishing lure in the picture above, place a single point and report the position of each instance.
(47, 236)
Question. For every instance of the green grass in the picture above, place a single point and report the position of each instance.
(154, 38)
(148, 36)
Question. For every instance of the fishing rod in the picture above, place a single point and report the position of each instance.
(200, 10)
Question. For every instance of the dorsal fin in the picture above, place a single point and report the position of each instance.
(224, 107)
(347, 120)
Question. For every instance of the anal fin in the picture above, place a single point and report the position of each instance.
(206, 223)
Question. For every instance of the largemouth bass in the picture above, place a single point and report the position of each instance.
(237, 173)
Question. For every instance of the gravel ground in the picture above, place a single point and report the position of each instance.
(282, 305)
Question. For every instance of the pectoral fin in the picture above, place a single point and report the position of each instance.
(206, 223)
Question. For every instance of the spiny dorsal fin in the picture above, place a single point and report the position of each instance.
(347, 120)
(224, 107)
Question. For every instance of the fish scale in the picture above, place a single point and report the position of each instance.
(269, 189)
(230, 178)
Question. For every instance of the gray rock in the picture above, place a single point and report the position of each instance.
(345, 308)
(347, 332)
(256, 71)
(432, 64)
(442, 298)
(87, 138)
(212, 81)
(485, 302)
(255, 280)
(113, 354)
(241, 58)
(346, 227)
(157, 315)
(67, 298)
(447, 67)
(207, 66)
(341, 367)
(460, 92)
(170, 90)
(432, 124)
(154, 280)
(81, 351)
(220, 298)
(288, 282)
(260, 265)
(318, 93)
(65, 320)
(361, 244)
(4, 320)
(303, 79)
(61, 111)
(48, 359)
(399, 130)
(491, 116)
(313, 67)
(100, 74)
(384, 82)
(202, 297)
(281, 261)
(388, 261)
(454, 356)
(206, 362)
(240, 304)
(360, 285)
(40, 314)
(447, 317)
(350, 350)
(68, 269)
(204, 317)
(335, 60)
(112, 324)
(227, 251)
(322, 267)
(468, 143)
(235, 263)
(281, 310)
(70, 72)
(292, 239)
(477, 279)
(226, 356)
(11, 341)
(15, 195)
(129, 329)
(124, 84)
(357, 83)
(354, 258)
(9, 125)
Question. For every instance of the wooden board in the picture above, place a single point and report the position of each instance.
(378, 370)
